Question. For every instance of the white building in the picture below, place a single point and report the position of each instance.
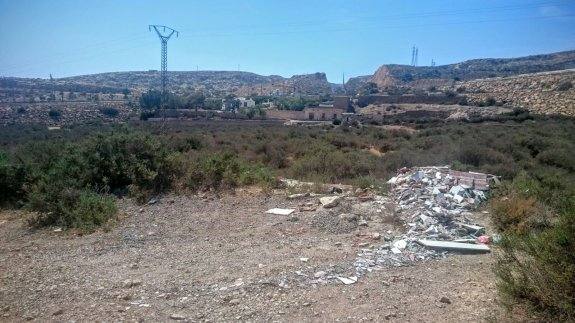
(246, 103)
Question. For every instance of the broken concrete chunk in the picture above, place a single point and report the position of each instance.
(297, 196)
(454, 246)
(278, 211)
(457, 190)
(471, 228)
(400, 244)
(418, 176)
(329, 201)
(347, 281)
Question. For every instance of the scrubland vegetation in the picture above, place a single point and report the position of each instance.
(71, 177)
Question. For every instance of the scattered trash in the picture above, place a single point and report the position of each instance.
(297, 196)
(278, 211)
(303, 259)
(484, 239)
(347, 281)
(435, 203)
(58, 230)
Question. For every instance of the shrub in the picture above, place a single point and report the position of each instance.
(535, 264)
(110, 112)
(72, 209)
(564, 86)
(224, 170)
(54, 114)
(539, 269)
(12, 179)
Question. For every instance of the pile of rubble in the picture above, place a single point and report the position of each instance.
(435, 204)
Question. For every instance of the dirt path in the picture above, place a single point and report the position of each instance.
(213, 259)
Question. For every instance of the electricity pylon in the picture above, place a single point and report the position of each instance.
(164, 37)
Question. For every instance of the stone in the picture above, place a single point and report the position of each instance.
(234, 301)
(297, 196)
(349, 217)
(319, 274)
(445, 300)
(177, 317)
(58, 312)
(128, 283)
(329, 201)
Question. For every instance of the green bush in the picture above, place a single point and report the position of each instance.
(224, 170)
(71, 208)
(538, 269)
(12, 179)
(535, 264)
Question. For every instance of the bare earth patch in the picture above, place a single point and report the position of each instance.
(223, 258)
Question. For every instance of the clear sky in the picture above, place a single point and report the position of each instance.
(284, 37)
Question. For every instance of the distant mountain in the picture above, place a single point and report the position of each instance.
(242, 83)
(420, 76)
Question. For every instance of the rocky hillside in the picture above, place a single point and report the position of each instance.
(213, 81)
(424, 76)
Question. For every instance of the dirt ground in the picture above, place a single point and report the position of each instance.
(209, 258)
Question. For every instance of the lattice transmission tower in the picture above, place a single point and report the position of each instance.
(164, 33)
(414, 55)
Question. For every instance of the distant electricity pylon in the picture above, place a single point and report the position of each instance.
(164, 37)
(414, 55)
(432, 62)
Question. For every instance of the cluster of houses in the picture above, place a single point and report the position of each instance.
(340, 109)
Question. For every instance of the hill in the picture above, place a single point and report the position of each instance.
(241, 83)
(422, 76)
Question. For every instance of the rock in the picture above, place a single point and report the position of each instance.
(304, 259)
(363, 245)
(234, 301)
(58, 312)
(329, 201)
(349, 217)
(128, 283)
(177, 317)
(319, 274)
(376, 236)
(336, 190)
(362, 223)
(297, 196)
(445, 300)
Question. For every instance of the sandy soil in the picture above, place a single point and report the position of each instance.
(207, 258)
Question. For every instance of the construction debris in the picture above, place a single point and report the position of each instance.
(454, 246)
(278, 211)
(435, 204)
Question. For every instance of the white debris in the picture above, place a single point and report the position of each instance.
(329, 201)
(400, 244)
(278, 211)
(348, 281)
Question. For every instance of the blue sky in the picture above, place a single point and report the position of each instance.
(70, 37)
